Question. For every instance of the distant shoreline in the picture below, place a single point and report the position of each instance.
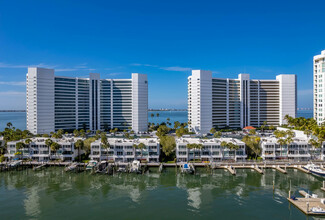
(12, 110)
(167, 110)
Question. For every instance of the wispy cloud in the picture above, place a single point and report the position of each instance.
(14, 93)
(168, 68)
(66, 70)
(13, 83)
(176, 68)
(305, 92)
(21, 66)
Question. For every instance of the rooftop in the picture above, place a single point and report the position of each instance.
(208, 141)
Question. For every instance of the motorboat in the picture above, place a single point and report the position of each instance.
(91, 164)
(187, 168)
(135, 167)
(317, 210)
(71, 167)
(314, 169)
(15, 163)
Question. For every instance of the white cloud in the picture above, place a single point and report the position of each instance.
(305, 92)
(176, 68)
(65, 70)
(22, 83)
(168, 68)
(17, 66)
(14, 93)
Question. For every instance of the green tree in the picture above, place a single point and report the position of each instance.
(82, 133)
(217, 134)
(213, 130)
(252, 132)
(141, 146)
(9, 124)
(176, 124)
(80, 146)
(167, 144)
(281, 142)
(76, 133)
(55, 147)
(162, 130)
(48, 142)
(87, 144)
(105, 143)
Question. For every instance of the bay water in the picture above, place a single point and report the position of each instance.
(55, 194)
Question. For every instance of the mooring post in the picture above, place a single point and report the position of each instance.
(273, 185)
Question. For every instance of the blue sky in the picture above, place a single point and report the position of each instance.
(164, 39)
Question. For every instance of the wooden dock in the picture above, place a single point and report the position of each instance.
(257, 169)
(305, 205)
(278, 168)
(301, 169)
(230, 169)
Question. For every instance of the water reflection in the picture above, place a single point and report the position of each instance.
(204, 194)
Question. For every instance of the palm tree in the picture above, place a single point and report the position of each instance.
(55, 147)
(281, 142)
(290, 133)
(224, 145)
(176, 124)
(135, 146)
(213, 130)
(307, 132)
(157, 114)
(76, 133)
(48, 142)
(141, 146)
(152, 115)
(9, 124)
(19, 146)
(28, 141)
(104, 142)
(80, 145)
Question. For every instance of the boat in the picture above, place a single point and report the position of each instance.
(15, 163)
(314, 169)
(71, 167)
(91, 164)
(187, 168)
(135, 167)
(122, 168)
(317, 210)
(101, 167)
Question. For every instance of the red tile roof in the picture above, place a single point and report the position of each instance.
(249, 128)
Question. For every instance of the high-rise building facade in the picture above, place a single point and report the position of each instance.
(57, 102)
(319, 87)
(236, 103)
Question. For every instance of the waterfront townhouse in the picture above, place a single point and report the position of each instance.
(37, 150)
(319, 87)
(68, 103)
(237, 103)
(210, 150)
(126, 150)
(298, 150)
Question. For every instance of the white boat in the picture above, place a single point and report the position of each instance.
(71, 167)
(135, 167)
(318, 210)
(15, 163)
(314, 169)
(187, 168)
(91, 164)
